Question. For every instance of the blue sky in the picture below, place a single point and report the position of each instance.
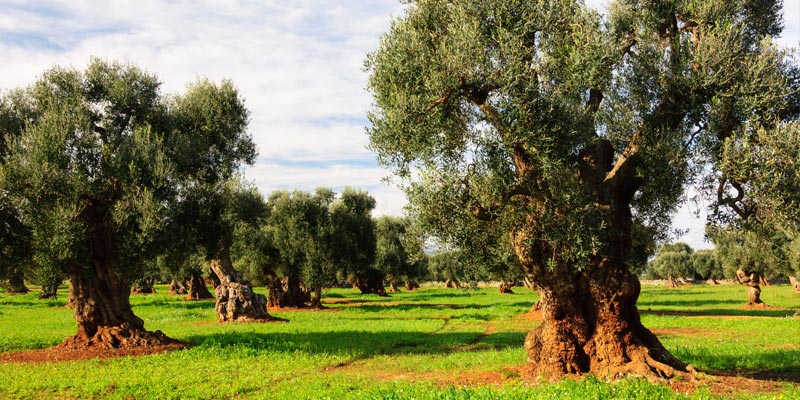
(298, 64)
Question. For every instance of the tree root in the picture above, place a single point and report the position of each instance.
(120, 337)
(646, 366)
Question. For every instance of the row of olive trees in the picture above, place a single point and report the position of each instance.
(101, 174)
(676, 261)
(746, 256)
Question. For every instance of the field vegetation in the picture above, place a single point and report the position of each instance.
(431, 343)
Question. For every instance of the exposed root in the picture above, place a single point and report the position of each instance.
(120, 337)
(645, 366)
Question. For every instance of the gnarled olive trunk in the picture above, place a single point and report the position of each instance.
(101, 300)
(590, 323)
(197, 289)
(176, 287)
(144, 286)
(16, 283)
(795, 284)
(393, 287)
(411, 285)
(505, 288)
(50, 289)
(371, 283)
(753, 283)
(316, 300)
(236, 300)
(291, 293)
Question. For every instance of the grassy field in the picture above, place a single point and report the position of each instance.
(435, 343)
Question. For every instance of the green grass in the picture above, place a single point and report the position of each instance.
(423, 345)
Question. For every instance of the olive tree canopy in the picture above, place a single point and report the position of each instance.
(563, 129)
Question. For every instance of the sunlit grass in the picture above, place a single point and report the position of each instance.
(426, 345)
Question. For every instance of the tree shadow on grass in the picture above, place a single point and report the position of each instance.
(362, 345)
(731, 313)
(686, 303)
(414, 306)
(778, 364)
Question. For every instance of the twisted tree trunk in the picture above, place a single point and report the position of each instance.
(372, 283)
(176, 287)
(197, 289)
(752, 281)
(292, 293)
(16, 283)
(236, 300)
(590, 323)
(795, 284)
(505, 288)
(50, 289)
(144, 286)
(316, 300)
(101, 299)
(411, 285)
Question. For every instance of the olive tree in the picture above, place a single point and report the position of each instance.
(564, 130)
(673, 261)
(97, 163)
(355, 240)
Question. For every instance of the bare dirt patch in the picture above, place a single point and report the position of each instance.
(62, 353)
(687, 332)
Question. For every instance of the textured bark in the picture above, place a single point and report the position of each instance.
(275, 288)
(411, 285)
(316, 300)
(752, 281)
(236, 300)
(451, 284)
(16, 283)
(292, 293)
(505, 288)
(176, 287)
(393, 287)
(144, 286)
(590, 323)
(795, 284)
(101, 299)
(370, 284)
(672, 282)
(197, 289)
(50, 289)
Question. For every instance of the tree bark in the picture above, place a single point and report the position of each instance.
(371, 284)
(393, 287)
(672, 282)
(292, 293)
(795, 284)
(411, 285)
(451, 284)
(752, 281)
(236, 300)
(316, 300)
(176, 287)
(144, 286)
(197, 289)
(16, 283)
(50, 289)
(590, 323)
(505, 288)
(101, 300)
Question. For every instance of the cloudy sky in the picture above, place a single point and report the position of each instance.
(298, 64)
